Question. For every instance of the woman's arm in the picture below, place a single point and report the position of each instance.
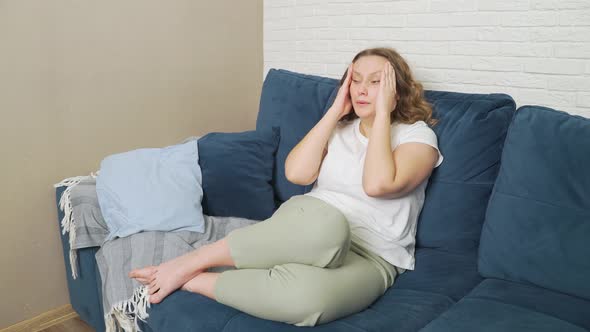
(303, 162)
(388, 174)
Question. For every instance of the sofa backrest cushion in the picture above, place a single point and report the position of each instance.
(538, 222)
(237, 173)
(471, 132)
(294, 103)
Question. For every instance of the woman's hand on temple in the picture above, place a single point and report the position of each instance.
(343, 104)
(386, 97)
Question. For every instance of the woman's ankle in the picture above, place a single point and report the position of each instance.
(214, 254)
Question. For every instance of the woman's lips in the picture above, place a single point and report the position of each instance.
(362, 103)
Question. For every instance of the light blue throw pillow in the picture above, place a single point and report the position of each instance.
(155, 189)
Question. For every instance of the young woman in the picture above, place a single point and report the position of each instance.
(335, 250)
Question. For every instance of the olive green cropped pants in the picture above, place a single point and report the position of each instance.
(301, 267)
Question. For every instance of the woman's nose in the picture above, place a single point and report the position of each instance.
(362, 89)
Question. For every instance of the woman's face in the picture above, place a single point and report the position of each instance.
(366, 74)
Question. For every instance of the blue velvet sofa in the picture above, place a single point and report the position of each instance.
(502, 242)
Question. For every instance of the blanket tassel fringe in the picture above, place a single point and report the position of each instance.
(68, 223)
(124, 315)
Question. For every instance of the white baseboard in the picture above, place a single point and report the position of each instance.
(43, 321)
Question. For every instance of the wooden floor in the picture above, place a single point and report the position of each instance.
(71, 325)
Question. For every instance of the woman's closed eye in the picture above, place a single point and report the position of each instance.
(372, 82)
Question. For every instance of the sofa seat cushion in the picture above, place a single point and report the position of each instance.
(184, 311)
(538, 220)
(417, 297)
(499, 305)
(450, 274)
(404, 310)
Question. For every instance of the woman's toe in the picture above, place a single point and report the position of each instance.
(153, 289)
(156, 298)
(144, 273)
(143, 281)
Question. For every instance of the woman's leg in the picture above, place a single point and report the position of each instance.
(171, 275)
(300, 294)
(303, 230)
(203, 284)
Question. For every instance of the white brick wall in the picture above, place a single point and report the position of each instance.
(538, 51)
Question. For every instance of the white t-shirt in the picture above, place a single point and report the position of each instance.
(387, 227)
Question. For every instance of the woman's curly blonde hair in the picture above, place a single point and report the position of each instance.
(411, 106)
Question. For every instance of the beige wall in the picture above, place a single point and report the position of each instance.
(80, 80)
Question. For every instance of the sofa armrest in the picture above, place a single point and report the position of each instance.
(84, 291)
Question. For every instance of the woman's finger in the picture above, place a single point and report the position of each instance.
(389, 83)
(393, 84)
(385, 74)
(349, 75)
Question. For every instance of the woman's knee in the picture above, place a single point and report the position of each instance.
(304, 295)
(332, 230)
(332, 237)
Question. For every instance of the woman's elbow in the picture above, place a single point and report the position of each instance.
(373, 190)
(379, 190)
(296, 178)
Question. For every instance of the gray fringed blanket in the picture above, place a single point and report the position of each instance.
(126, 300)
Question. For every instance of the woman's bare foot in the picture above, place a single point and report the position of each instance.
(171, 275)
(166, 277)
